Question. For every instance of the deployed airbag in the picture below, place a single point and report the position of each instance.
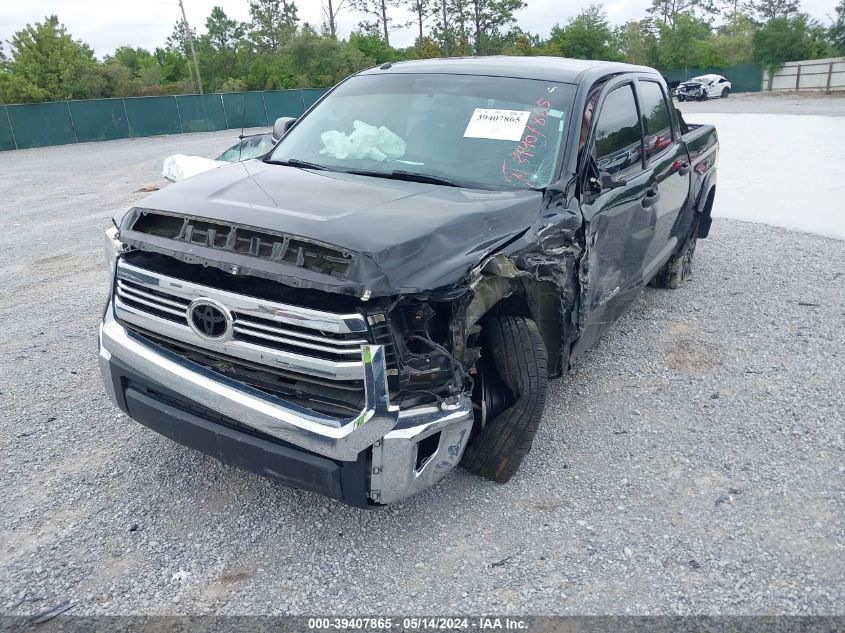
(366, 141)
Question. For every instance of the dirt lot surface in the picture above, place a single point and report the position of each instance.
(772, 103)
(691, 463)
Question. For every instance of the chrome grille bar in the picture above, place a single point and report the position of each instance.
(281, 336)
(150, 300)
(354, 350)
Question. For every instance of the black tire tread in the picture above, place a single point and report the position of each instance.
(671, 275)
(520, 359)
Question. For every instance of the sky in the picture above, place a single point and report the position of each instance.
(107, 24)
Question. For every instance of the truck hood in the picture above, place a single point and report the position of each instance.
(416, 236)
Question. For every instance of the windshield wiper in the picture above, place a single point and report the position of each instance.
(300, 164)
(400, 174)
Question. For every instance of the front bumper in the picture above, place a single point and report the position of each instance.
(690, 93)
(372, 457)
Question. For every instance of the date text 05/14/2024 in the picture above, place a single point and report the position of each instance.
(482, 623)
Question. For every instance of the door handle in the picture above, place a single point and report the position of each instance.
(651, 196)
(684, 168)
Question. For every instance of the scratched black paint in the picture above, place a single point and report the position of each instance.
(565, 256)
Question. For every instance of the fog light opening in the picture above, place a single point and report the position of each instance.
(426, 448)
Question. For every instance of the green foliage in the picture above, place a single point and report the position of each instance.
(377, 16)
(221, 49)
(231, 84)
(667, 12)
(273, 23)
(837, 30)
(586, 36)
(372, 47)
(781, 40)
(688, 43)
(134, 59)
(637, 43)
(775, 9)
(314, 61)
(489, 17)
(735, 40)
(422, 10)
(274, 51)
(47, 64)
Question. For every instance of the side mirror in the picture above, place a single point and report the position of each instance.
(609, 182)
(282, 125)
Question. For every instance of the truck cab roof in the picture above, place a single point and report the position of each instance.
(557, 69)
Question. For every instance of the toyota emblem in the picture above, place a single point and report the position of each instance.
(210, 320)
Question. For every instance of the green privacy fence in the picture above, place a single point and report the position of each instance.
(62, 122)
(743, 77)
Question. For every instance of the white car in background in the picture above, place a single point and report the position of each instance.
(703, 88)
(180, 166)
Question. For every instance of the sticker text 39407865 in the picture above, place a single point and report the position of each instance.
(516, 165)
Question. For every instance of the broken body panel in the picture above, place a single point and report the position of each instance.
(426, 263)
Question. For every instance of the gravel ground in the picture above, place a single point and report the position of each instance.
(691, 463)
(772, 103)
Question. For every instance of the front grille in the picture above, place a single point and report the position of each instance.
(271, 246)
(335, 398)
(256, 330)
(276, 336)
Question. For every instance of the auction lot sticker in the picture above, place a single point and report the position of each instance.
(502, 125)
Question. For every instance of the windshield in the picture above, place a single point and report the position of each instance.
(250, 147)
(482, 132)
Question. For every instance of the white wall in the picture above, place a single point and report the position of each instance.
(814, 75)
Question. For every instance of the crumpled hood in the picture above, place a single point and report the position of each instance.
(418, 236)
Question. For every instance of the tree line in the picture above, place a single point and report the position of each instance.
(274, 49)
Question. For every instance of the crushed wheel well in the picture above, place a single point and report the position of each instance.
(706, 220)
(539, 301)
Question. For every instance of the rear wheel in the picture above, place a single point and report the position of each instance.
(510, 397)
(679, 267)
(725, 92)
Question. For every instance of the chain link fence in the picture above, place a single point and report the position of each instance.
(61, 122)
(743, 77)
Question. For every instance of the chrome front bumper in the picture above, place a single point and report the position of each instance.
(394, 435)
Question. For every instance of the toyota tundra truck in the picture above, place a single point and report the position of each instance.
(385, 294)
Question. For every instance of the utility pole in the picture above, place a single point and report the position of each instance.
(445, 31)
(191, 42)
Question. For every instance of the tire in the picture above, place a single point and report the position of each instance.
(725, 92)
(678, 269)
(520, 360)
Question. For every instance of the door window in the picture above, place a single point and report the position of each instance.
(618, 140)
(656, 122)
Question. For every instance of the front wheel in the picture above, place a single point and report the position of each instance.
(511, 400)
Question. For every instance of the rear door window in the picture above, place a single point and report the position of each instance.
(657, 127)
(618, 140)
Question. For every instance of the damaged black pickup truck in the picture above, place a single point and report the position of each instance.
(386, 293)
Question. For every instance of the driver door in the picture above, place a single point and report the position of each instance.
(618, 206)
